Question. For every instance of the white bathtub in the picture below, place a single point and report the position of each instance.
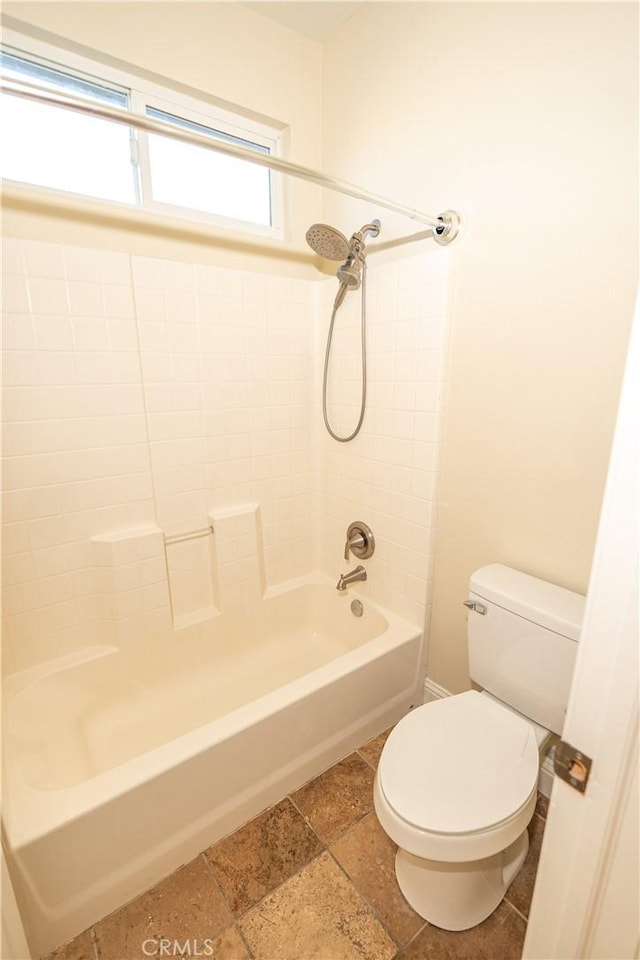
(124, 764)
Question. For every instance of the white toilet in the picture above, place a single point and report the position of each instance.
(457, 780)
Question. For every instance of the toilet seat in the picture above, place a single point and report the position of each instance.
(460, 772)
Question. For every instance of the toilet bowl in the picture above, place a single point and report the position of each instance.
(455, 789)
(456, 782)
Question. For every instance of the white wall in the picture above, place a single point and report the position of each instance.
(524, 116)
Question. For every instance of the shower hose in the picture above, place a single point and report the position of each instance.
(363, 348)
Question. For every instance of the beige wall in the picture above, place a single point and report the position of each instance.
(221, 49)
(525, 117)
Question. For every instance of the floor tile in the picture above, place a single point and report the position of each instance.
(185, 906)
(259, 856)
(338, 798)
(372, 749)
(79, 949)
(292, 906)
(228, 946)
(521, 890)
(316, 915)
(500, 937)
(368, 856)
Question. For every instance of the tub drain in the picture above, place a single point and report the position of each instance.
(356, 608)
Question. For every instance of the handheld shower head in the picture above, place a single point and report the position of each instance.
(350, 273)
(327, 242)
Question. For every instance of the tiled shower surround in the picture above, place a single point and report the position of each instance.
(144, 399)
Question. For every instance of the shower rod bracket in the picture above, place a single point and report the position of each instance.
(451, 225)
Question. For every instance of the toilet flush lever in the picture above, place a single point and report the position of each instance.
(474, 605)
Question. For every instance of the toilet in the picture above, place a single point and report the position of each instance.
(456, 784)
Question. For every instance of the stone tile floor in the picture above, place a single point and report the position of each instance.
(312, 877)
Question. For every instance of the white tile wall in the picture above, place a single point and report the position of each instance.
(131, 583)
(240, 554)
(387, 475)
(193, 580)
(225, 359)
(76, 460)
(141, 393)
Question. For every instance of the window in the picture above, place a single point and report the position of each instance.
(52, 147)
(190, 176)
(64, 150)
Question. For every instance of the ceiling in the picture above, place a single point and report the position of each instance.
(317, 21)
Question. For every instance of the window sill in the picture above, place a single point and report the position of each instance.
(42, 200)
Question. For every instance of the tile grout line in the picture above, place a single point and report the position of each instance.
(515, 910)
(259, 902)
(224, 900)
(335, 839)
(325, 849)
(373, 910)
(341, 836)
(416, 934)
(307, 821)
(238, 930)
(303, 866)
(368, 762)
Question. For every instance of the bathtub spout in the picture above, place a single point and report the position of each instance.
(358, 573)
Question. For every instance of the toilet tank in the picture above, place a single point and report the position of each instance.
(522, 649)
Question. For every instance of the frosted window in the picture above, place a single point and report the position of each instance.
(52, 147)
(187, 176)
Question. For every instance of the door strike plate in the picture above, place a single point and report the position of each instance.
(572, 766)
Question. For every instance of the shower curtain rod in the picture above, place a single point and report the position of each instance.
(446, 226)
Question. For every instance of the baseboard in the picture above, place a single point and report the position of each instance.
(545, 779)
(433, 691)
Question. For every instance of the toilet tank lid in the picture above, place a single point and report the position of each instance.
(537, 600)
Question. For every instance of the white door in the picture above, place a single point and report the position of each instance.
(586, 899)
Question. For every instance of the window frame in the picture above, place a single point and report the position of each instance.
(142, 93)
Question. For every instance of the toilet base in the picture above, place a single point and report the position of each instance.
(456, 896)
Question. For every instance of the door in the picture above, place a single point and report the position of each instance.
(587, 896)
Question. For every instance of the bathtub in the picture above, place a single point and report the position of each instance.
(123, 764)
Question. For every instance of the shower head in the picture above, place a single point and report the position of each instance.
(333, 245)
(328, 242)
(350, 272)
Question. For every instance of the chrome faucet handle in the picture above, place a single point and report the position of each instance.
(354, 543)
(360, 541)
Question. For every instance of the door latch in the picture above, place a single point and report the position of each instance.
(572, 766)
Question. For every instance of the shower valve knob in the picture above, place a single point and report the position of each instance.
(360, 541)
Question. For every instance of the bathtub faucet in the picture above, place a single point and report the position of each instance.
(358, 573)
